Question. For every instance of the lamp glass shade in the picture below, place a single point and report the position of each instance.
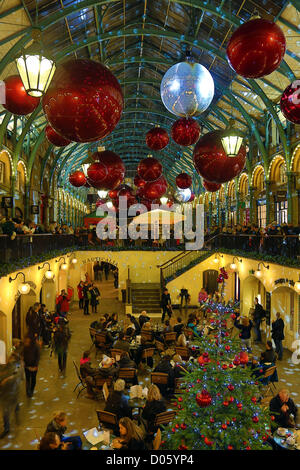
(232, 141)
(297, 285)
(215, 260)
(64, 266)
(164, 200)
(109, 204)
(74, 260)
(24, 288)
(233, 266)
(102, 193)
(49, 274)
(36, 72)
(258, 273)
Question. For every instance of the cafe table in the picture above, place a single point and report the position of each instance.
(138, 403)
(87, 445)
(281, 440)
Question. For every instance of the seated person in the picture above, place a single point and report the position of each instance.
(133, 323)
(165, 367)
(179, 367)
(121, 343)
(145, 344)
(143, 318)
(192, 325)
(167, 327)
(269, 354)
(51, 441)
(131, 436)
(59, 426)
(117, 401)
(112, 321)
(181, 341)
(155, 404)
(130, 333)
(88, 373)
(283, 407)
(97, 324)
(178, 327)
(108, 368)
(147, 328)
(126, 362)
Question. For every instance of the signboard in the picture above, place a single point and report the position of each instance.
(35, 209)
(7, 202)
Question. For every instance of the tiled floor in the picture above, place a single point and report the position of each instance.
(53, 392)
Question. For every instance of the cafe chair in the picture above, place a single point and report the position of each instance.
(170, 337)
(93, 333)
(178, 385)
(147, 354)
(164, 418)
(116, 353)
(159, 378)
(266, 381)
(157, 440)
(146, 335)
(127, 374)
(183, 352)
(81, 380)
(108, 419)
(99, 383)
(100, 342)
(159, 347)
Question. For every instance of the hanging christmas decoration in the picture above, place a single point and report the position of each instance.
(183, 181)
(185, 131)
(211, 187)
(84, 101)
(256, 48)
(17, 101)
(157, 138)
(138, 181)
(114, 172)
(77, 179)
(203, 399)
(187, 89)
(149, 169)
(96, 174)
(155, 189)
(183, 195)
(290, 102)
(125, 191)
(192, 197)
(113, 194)
(211, 161)
(54, 138)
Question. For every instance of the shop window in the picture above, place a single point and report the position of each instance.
(236, 287)
(282, 212)
(292, 310)
(2, 172)
(262, 215)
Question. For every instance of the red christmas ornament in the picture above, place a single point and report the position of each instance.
(185, 131)
(17, 101)
(224, 366)
(233, 316)
(256, 48)
(272, 418)
(113, 194)
(54, 138)
(112, 166)
(192, 197)
(211, 420)
(157, 138)
(225, 403)
(211, 161)
(207, 441)
(201, 361)
(248, 448)
(240, 406)
(230, 387)
(138, 181)
(77, 179)
(84, 101)
(255, 419)
(290, 103)
(180, 399)
(125, 191)
(227, 348)
(224, 426)
(183, 426)
(149, 169)
(244, 358)
(155, 189)
(230, 447)
(211, 187)
(96, 174)
(203, 399)
(183, 181)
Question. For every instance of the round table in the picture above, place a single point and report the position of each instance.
(137, 403)
(281, 440)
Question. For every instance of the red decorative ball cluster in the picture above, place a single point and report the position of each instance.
(203, 399)
(157, 138)
(54, 138)
(155, 189)
(77, 179)
(183, 181)
(290, 103)
(17, 101)
(149, 169)
(107, 172)
(256, 48)
(185, 131)
(211, 187)
(138, 181)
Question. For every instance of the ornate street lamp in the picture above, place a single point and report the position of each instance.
(24, 287)
(48, 274)
(232, 140)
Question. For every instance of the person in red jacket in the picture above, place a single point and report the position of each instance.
(80, 294)
(63, 301)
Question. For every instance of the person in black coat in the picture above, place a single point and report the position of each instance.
(283, 407)
(166, 304)
(245, 326)
(126, 363)
(131, 436)
(33, 321)
(117, 402)
(278, 335)
(143, 318)
(154, 405)
(269, 354)
(165, 367)
(31, 357)
(178, 328)
(258, 316)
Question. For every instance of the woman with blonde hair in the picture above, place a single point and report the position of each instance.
(245, 334)
(181, 341)
(131, 436)
(155, 404)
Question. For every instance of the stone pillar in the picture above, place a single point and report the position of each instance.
(226, 209)
(291, 197)
(252, 205)
(268, 203)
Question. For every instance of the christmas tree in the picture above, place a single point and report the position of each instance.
(218, 407)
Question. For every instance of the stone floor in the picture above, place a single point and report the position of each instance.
(54, 392)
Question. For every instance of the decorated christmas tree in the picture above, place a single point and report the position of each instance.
(218, 407)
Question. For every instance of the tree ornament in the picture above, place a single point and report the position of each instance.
(84, 101)
(110, 171)
(183, 426)
(203, 399)
(230, 387)
(17, 101)
(149, 169)
(211, 187)
(256, 48)
(180, 399)
(211, 420)
(211, 161)
(54, 138)
(290, 103)
(255, 419)
(207, 441)
(225, 403)
(185, 131)
(155, 189)
(157, 138)
(138, 181)
(183, 181)
(230, 447)
(77, 179)
(254, 400)
(187, 89)
(224, 426)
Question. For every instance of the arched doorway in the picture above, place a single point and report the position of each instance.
(19, 312)
(48, 294)
(286, 301)
(210, 281)
(3, 328)
(252, 287)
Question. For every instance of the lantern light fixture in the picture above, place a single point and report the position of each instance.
(232, 140)
(258, 272)
(164, 200)
(48, 274)
(109, 204)
(233, 265)
(24, 287)
(102, 193)
(217, 256)
(73, 258)
(63, 266)
(297, 285)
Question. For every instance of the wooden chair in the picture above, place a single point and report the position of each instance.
(149, 352)
(93, 333)
(178, 383)
(170, 337)
(81, 380)
(100, 381)
(127, 374)
(116, 353)
(106, 418)
(146, 335)
(157, 440)
(159, 347)
(105, 391)
(99, 342)
(164, 418)
(183, 352)
(267, 375)
(159, 378)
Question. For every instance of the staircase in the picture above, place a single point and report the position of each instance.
(146, 296)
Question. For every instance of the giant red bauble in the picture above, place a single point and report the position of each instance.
(96, 174)
(157, 138)
(186, 131)
(203, 399)
(114, 170)
(113, 194)
(54, 138)
(211, 187)
(84, 101)
(149, 169)
(256, 48)
(125, 191)
(155, 189)
(17, 101)
(77, 179)
(138, 181)
(290, 102)
(183, 181)
(212, 162)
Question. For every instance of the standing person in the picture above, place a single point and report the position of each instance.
(80, 294)
(33, 321)
(245, 334)
(31, 359)
(106, 270)
(184, 298)
(61, 340)
(278, 335)
(166, 304)
(96, 269)
(258, 316)
(86, 298)
(95, 294)
(63, 301)
(10, 378)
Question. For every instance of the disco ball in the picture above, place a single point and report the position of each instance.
(183, 195)
(187, 89)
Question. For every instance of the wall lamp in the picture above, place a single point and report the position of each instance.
(258, 272)
(233, 265)
(297, 284)
(24, 287)
(216, 257)
(63, 266)
(48, 274)
(74, 259)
